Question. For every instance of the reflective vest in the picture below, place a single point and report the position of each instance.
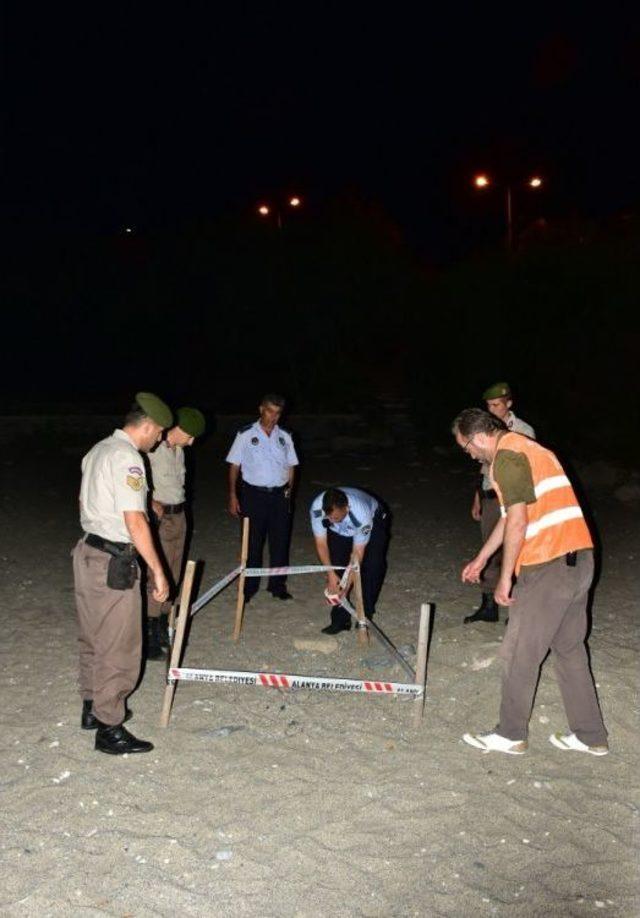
(556, 524)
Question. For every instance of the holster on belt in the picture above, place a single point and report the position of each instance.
(122, 571)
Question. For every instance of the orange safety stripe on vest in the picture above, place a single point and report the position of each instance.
(556, 523)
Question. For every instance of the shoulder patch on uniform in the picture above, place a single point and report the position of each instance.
(317, 513)
(135, 478)
(281, 441)
(354, 519)
(366, 530)
(245, 428)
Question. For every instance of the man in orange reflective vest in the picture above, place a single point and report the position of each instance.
(546, 544)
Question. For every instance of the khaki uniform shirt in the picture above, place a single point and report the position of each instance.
(167, 473)
(113, 481)
(515, 425)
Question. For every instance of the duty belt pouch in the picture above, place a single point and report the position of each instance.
(122, 571)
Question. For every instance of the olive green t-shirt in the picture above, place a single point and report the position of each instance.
(512, 474)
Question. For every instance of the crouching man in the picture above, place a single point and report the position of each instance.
(344, 521)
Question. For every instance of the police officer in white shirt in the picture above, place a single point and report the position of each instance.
(262, 462)
(485, 508)
(344, 521)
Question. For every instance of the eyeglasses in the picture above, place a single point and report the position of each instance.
(468, 443)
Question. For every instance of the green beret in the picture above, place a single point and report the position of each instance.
(191, 421)
(155, 408)
(497, 390)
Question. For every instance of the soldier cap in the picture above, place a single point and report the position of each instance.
(155, 408)
(191, 421)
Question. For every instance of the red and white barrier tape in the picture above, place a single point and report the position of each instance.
(300, 569)
(289, 681)
(262, 572)
(214, 590)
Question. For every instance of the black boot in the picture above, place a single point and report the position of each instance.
(340, 621)
(89, 721)
(118, 741)
(488, 611)
(154, 648)
(163, 631)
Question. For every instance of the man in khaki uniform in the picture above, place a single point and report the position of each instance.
(113, 500)
(485, 508)
(168, 505)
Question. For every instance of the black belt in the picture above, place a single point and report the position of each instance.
(112, 548)
(488, 493)
(263, 488)
(172, 508)
(570, 559)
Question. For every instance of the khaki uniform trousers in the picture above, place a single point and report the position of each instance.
(490, 516)
(550, 612)
(110, 635)
(172, 533)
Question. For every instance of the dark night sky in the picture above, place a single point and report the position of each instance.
(177, 122)
(120, 115)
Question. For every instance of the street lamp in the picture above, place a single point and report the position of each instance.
(265, 209)
(483, 181)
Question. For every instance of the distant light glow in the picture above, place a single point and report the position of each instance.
(128, 229)
(295, 202)
(481, 181)
(535, 182)
(263, 210)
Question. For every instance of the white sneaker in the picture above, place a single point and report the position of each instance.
(570, 741)
(493, 742)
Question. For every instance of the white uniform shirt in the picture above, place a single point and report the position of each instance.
(516, 426)
(167, 473)
(358, 522)
(264, 460)
(113, 481)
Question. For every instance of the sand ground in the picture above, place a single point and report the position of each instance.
(260, 803)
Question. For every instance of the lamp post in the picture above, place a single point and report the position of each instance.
(482, 181)
(266, 209)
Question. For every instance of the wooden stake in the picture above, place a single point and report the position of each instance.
(362, 634)
(244, 553)
(421, 660)
(178, 639)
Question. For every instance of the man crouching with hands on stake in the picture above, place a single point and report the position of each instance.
(547, 545)
(113, 508)
(346, 521)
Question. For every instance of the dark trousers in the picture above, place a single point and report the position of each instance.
(374, 564)
(269, 515)
(550, 611)
(488, 522)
